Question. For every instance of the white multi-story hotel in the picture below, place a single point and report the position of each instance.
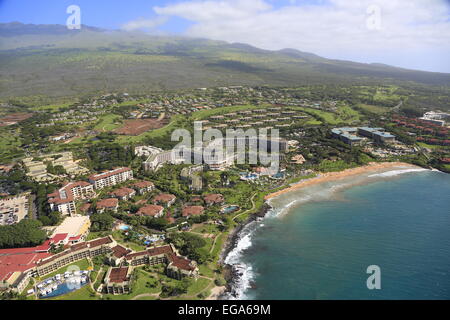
(63, 200)
(111, 178)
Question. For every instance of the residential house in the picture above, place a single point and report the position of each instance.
(165, 199)
(107, 204)
(143, 187)
(192, 211)
(213, 199)
(152, 210)
(123, 193)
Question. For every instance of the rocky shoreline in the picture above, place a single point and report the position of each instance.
(231, 273)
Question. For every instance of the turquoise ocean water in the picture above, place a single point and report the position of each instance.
(317, 243)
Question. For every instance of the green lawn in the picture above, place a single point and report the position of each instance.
(197, 286)
(108, 122)
(429, 146)
(373, 108)
(206, 228)
(100, 278)
(99, 234)
(218, 245)
(10, 145)
(206, 270)
(139, 287)
(119, 237)
(52, 107)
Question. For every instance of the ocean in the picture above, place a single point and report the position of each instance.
(317, 242)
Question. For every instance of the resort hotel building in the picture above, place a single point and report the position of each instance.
(63, 200)
(209, 154)
(111, 178)
(19, 264)
(356, 135)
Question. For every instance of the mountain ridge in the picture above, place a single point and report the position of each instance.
(52, 60)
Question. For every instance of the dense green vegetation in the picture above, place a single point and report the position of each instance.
(101, 222)
(190, 245)
(26, 233)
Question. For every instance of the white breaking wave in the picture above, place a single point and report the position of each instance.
(396, 172)
(243, 272)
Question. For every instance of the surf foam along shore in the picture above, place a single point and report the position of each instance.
(240, 274)
(331, 176)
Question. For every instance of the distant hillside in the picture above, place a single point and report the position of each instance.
(51, 60)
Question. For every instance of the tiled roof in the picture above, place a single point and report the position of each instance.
(119, 251)
(85, 207)
(150, 210)
(76, 247)
(164, 197)
(167, 249)
(142, 184)
(10, 263)
(213, 198)
(118, 275)
(56, 197)
(181, 263)
(107, 203)
(122, 192)
(192, 210)
(59, 237)
(99, 242)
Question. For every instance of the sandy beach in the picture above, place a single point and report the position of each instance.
(331, 176)
(233, 237)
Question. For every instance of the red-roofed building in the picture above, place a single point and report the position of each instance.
(117, 280)
(60, 239)
(143, 187)
(192, 211)
(213, 199)
(152, 210)
(123, 193)
(85, 208)
(107, 204)
(17, 265)
(63, 200)
(180, 267)
(165, 199)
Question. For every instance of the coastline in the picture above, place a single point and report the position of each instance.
(331, 176)
(234, 235)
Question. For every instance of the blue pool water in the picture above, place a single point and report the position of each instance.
(64, 288)
(230, 209)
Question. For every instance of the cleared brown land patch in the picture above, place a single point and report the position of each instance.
(13, 118)
(135, 127)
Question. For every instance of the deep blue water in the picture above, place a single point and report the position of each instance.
(321, 249)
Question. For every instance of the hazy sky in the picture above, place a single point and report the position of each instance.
(406, 33)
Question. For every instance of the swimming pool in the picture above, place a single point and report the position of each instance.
(124, 227)
(230, 209)
(64, 288)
